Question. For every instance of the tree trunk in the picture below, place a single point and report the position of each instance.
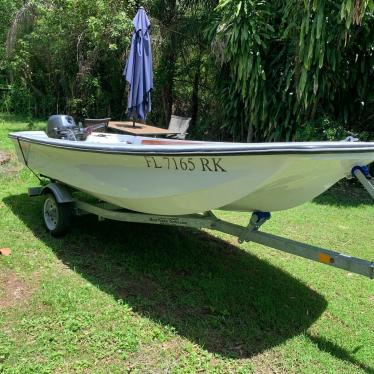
(195, 96)
(165, 11)
(250, 133)
(167, 64)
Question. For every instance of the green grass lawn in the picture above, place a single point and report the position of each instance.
(112, 297)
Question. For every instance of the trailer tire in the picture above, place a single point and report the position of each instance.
(57, 216)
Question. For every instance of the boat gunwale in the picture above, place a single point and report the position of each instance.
(200, 151)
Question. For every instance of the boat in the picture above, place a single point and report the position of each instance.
(173, 177)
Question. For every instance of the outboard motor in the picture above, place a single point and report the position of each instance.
(64, 127)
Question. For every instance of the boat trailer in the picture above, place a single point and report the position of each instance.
(60, 205)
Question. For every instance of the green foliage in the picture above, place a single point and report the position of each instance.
(288, 62)
(321, 129)
(240, 41)
(247, 70)
(70, 58)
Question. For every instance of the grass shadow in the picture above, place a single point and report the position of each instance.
(213, 293)
(336, 351)
(345, 193)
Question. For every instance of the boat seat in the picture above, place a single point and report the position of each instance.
(179, 125)
(97, 124)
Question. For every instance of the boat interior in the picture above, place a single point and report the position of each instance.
(136, 140)
(113, 138)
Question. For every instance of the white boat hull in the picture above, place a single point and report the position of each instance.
(171, 183)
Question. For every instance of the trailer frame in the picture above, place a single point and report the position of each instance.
(61, 202)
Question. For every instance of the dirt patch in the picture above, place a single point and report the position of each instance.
(165, 357)
(9, 164)
(13, 290)
(4, 157)
(268, 362)
(5, 251)
(156, 357)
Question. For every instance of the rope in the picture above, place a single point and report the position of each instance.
(26, 163)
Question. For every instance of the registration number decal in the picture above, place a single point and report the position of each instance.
(207, 164)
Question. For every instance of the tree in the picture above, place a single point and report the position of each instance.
(242, 69)
(289, 62)
(69, 57)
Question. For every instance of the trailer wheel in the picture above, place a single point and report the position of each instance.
(57, 216)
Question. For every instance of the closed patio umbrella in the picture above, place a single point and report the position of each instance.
(138, 71)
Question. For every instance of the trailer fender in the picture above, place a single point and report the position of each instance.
(61, 192)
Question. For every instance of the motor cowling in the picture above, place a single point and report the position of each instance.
(62, 127)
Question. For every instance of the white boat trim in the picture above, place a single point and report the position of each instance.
(196, 148)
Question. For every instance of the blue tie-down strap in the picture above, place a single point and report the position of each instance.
(261, 216)
(364, 170)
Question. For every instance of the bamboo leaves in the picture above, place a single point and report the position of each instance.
(245, 41)
(283, 73)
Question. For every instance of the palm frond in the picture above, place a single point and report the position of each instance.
(22, 17)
